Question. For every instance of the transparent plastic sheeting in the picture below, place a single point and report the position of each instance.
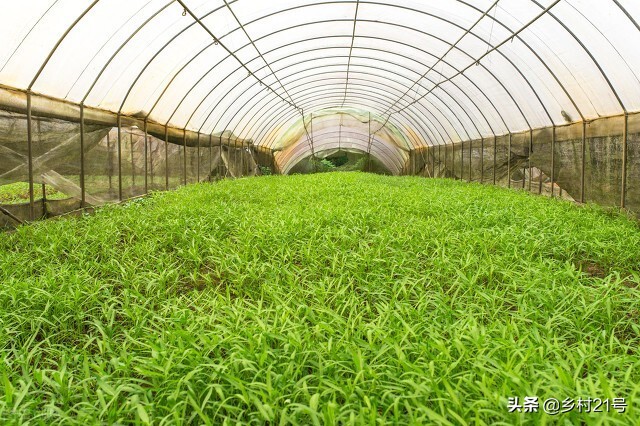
(443, 71)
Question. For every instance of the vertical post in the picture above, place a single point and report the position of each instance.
(166, 157)
(242, 172)
(625, 141)
(481, 160)
(44, 200)
(184, 156)
(133, 163)
(584, 150)
(369, 146)
(495, 155)
(109, 161)
(553, 160)
(462, 160)
(82, 182)
(220, 163)
(453, 160)
(529, 159)
(119, 159)
(32, 213)
(539, 181)
(146, 158)
(470, 158)
(198, 159)
(210, 155)
(509, 163)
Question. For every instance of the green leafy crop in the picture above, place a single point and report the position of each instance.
(339, 298)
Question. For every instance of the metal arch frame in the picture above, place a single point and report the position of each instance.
(525, 116)
(353, 39)
(393, 158)
(507, 91)
(625, 130)
(316, 4)
(325, 97)
(451, 47)
(465, 112)
(293, 103)
(330, 143)
(564, 26)
(257, 103)
(332, 117)
(271, 101)
(331, 96)
(204, 99)
(611, 87)
(439, 99)
(451, 96)
(122, 46)
(363, 79)
(387, 157)
(84, 70)
(461, 90)
(497, 21)
(340, 2)
(533, 90)
(29, 115)
(330, 78)
(444, 104)
(171, 40)
(447, 105)
(488, 71)
(407, 8)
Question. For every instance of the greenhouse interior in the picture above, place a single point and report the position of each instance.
(320, 212)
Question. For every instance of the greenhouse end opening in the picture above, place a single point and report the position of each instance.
(320, 212)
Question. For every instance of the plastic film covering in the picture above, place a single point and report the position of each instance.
(124, 97)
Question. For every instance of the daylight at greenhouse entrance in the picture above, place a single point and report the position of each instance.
(320, 212)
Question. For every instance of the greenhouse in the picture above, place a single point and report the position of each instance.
(320, 212)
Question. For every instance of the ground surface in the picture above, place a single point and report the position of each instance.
(341, 297)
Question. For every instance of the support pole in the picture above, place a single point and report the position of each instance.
(82, 181)
(119, 159)
(584, 150)
(44, 200)
(453, 160)
(470, 158)
(553, 160)
(481, 160)
(210, 155)
(110, 162)
(166, 157)
(461, 160)
(146, 158)
(369, 146)
(220, 163)
(509, 163)
(133, 163)
(625, 141)
(241, 159)
(32, 213)
(198, 159)
(495, 155)
(530, 151)
(184, 156)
